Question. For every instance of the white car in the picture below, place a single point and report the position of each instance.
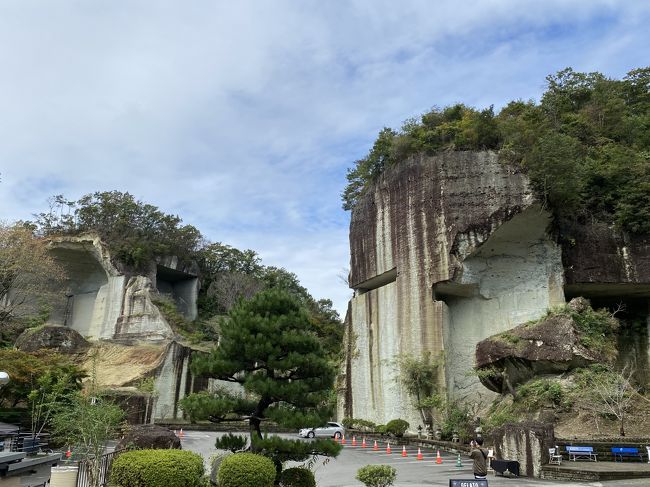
(330, 430)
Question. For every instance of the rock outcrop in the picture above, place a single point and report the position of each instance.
(552, 345)
(149, 436)
(449, 250)
(52, 337)
(108, 316)
(445, 251)
(102, 301)
(526, 443)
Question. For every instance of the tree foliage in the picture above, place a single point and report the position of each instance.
(419, 376)
(87, 423)
(585, 145)
(38, 371)
(27, 272)
(136, 232)
(268, 345)
(606, 392)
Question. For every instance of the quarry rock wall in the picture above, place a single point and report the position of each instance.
(433, 266)
(117, 312)
(448, 250)
(100, 301)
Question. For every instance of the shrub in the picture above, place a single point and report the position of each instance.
(297, 477)
(397, 427)
(541, 393)
(231, 442)
(456, 419)
(377, 475)
(158, 468)
(364, 425)
(498, 417)
(381, 429)
(246, 470)
(360, 424)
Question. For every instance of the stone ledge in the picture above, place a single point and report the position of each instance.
(595, 471)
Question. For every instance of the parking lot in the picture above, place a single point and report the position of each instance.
(340, 472)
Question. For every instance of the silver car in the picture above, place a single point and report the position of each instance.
(330, 430)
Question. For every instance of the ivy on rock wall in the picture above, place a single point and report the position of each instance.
(585, 145)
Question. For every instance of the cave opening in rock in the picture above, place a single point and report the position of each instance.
(76, 304)
(630, 303)
(179, 286)
(513, 277)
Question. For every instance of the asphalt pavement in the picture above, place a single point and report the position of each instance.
(411, 472)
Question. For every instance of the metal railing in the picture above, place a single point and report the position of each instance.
(84, 474)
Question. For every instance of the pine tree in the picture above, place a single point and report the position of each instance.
(269, 346)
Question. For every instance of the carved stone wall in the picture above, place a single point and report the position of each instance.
(436, 267)
(450, 249)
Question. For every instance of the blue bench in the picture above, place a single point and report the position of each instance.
(622, 452)
(576, 452)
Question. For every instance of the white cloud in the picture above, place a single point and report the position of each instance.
(242, 116)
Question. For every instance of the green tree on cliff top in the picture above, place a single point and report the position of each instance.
(585, 146)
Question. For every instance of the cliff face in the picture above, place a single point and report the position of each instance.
(130, 339)
(446, 251)
(100, 301)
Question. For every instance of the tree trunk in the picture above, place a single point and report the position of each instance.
(622, 429)
(255, 419)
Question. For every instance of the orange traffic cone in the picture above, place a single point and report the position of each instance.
(420, 457)
(343, 440)
(388, 450)
(354, 441)
(363, 442)
(181, 434)
(375, 448)
(438, 458)
(404, 451)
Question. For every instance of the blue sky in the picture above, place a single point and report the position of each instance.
(242, 117)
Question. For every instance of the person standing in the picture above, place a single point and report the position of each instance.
(479, 456)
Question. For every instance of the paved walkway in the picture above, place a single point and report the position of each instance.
(341, 471)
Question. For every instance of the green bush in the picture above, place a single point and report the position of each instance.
(297, 477)
(498, 416)
(363, 424)
(456, 420)
(585, 147)
(158, 468)
(246, 470)
(381, 429)
(540, 393)
(377, 475)
(231, 442)
(360, 424)
(397, 427)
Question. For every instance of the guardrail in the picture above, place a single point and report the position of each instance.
(84, 473)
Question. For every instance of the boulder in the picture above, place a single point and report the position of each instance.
(52, 337)
(552, 345)
(526, 443)
(149, 436)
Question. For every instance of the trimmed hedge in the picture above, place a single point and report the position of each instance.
(158, 468)
(246, 470)
(397, 427)
(297, 477)
(377, 475)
